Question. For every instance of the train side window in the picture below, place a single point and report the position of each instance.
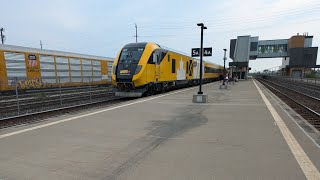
(163, 54)
(173, 66)
(151, 61)
(168, 58)
(154, 58)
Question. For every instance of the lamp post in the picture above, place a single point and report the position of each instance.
(201, 54)
(224, 63)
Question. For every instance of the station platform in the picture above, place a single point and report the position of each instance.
(243, 132)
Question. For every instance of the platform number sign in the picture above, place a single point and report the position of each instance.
(207, 51)
(195, 52)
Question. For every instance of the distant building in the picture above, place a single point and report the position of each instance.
(298, 55)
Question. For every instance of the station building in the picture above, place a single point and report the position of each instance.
(298, 55)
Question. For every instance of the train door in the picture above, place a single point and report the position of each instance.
(150, 68)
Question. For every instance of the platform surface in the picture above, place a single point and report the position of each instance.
(233, 136)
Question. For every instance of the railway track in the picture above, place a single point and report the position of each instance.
(39, 116)
(304, 104)
(307, 88)
(40, 101)
(64, 90)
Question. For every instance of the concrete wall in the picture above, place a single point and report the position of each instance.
(299, 72)
(303, 56)
(308, 41)
(242, 49)
(232, 48)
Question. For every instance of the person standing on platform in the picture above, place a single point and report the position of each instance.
(226, 79)
(221, 77)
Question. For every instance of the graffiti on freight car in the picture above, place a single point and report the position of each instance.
(28, 83)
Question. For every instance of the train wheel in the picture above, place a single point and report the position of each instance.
(150, 92)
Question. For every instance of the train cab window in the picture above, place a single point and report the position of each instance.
(163, 54)
(173, 66)
(131, 55)
(168, 58)
(156, 56)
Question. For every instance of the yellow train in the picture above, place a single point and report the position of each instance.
(145, 68)
(37, 68)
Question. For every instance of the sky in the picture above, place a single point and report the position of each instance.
(103, 27)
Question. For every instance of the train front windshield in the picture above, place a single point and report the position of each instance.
(131, 55)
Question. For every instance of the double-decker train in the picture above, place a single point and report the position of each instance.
(145, 68)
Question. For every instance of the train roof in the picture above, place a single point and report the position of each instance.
(51, 52)
(141, 44)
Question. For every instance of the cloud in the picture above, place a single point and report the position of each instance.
(62, 14)
(289, 5)
(101, 27)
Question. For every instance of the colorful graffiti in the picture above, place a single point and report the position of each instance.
(29, 83)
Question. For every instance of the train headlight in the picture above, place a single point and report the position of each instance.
(138, 69)
(114, 68)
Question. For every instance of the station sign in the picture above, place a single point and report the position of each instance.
(195, 52)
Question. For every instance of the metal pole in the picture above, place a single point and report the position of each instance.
(17, 95)
(201, 53)
(135, 25)
(60, 92)
(224, 63)
(315, 76)
(2, 36)
(90, 89)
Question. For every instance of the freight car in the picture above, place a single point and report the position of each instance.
(145, 68)
(31, 68)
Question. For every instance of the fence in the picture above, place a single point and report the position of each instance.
(315, 80)
(20, 101)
